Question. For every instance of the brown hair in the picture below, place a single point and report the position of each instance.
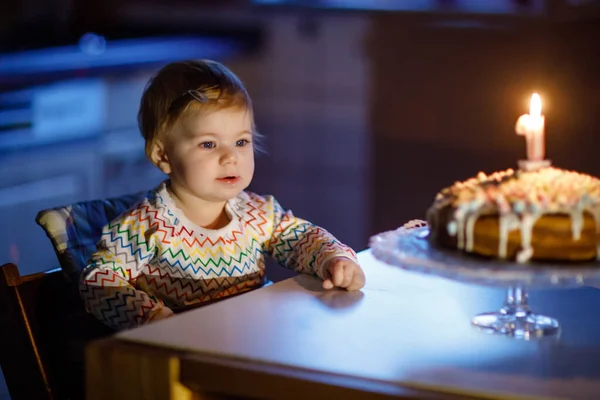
(184, 87)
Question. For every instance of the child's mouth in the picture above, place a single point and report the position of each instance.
(229, 179)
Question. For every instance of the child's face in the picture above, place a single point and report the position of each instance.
(211, 156)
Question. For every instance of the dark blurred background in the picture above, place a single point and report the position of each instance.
(369, 106)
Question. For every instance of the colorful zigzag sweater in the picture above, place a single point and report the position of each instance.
(152, 256)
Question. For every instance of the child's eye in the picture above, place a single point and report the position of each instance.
(207, 145)
(242, 142)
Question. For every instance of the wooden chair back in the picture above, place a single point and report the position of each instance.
(44, 329)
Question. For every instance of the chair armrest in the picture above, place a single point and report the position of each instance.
(11, 276)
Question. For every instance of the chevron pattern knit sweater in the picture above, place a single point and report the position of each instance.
(152, 256)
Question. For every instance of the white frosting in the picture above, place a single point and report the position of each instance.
(508, 222)
(527, 222)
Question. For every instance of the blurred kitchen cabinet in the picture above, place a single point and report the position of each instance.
(37, 179)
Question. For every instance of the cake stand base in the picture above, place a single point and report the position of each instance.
(516, 319)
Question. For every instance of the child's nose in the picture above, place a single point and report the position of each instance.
(228, 155)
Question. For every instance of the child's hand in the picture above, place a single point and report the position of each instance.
(343, 272)
(161, 313)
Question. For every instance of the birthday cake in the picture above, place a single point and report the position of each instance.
(544, 214)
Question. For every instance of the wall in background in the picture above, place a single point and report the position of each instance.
(446, 98)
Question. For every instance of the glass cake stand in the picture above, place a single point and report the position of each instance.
(409, 248)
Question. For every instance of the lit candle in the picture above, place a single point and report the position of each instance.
(532, 127)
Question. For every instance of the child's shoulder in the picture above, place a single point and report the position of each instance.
(146, 209)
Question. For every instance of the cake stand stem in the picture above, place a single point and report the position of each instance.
(516, 319)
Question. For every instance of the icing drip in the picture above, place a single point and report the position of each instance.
(576, 223)
(527, 222)
(469, 228)
(460, 227)
(452, 227)
(508, 222)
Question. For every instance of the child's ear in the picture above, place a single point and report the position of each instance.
(159, 157)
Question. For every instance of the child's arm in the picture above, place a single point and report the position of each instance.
(125, 248)
(304, 247)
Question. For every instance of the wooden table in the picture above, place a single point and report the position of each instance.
(404, 335)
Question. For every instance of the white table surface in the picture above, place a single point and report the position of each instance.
(403, 328)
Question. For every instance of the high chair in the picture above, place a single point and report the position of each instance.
(43, 324)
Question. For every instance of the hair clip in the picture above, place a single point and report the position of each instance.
(201, 97)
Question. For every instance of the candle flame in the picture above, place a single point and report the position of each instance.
(535, 107)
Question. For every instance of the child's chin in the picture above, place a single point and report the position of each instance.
(227, 196)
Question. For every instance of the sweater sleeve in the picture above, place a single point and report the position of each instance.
(302, 246)
(127, 245)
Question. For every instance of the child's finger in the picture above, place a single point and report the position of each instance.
(327, 284)
(338, 274)
(348, 276)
